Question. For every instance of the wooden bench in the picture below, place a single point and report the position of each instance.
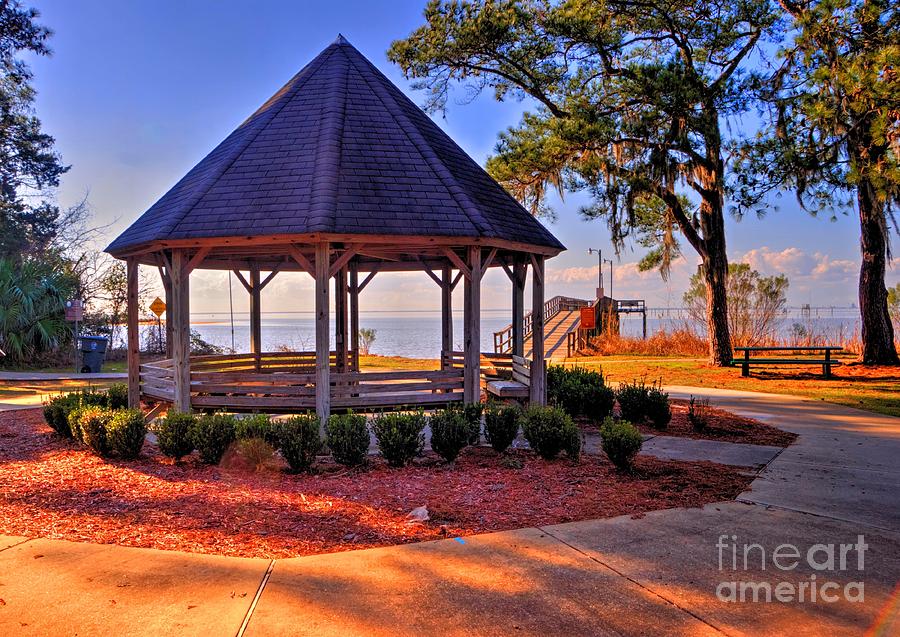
(517, 387)
(827, 362)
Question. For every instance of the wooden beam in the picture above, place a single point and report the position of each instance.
(538, 392)
(433, 276)
(456, 280)
(518, 306)
(196, 260)
(271, 276)
(255, 311)
(134, 337)
(459, 263)
(509, 273)
(340, 320)
(446, 311)
(344, 259)
(365, 282)
(301, 260)
(487, 262)
(243, 281)
(472, 332)
(354, 317)
(537, 266)
(323, 382)
(181, 331)
(166, 276)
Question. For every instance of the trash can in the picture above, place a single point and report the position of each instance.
(93, 349)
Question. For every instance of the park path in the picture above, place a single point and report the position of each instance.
(653, 575)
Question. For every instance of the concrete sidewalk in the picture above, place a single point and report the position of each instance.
(655, 575)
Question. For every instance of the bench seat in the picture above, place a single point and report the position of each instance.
(784, 361)
(507, 389)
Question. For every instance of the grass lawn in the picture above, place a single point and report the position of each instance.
(874, 389)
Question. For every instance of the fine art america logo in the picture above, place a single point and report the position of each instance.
(771, 582)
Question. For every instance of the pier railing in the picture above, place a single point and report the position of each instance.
(503, 339)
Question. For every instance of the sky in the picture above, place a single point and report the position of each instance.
(136, 93)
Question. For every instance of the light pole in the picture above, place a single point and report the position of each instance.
(600, 261)
(609, 261)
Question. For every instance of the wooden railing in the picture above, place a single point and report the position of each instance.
(503, 339)
(285, 381)
(508, 366)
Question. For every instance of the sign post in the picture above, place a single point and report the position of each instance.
(75, 314)
(158, 307)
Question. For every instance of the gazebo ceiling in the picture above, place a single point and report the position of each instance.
(338, 154)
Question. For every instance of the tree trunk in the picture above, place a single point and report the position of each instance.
(715, 276)
(715, 254)
(877, 332)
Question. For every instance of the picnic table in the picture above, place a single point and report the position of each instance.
(826, 361)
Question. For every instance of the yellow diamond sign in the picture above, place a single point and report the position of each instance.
(158, 307)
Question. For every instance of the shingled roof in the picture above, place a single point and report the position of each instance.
(338, 150)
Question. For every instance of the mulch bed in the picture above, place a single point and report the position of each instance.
(722, 425)
(57, 489)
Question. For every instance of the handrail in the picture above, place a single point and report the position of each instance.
(503, 339)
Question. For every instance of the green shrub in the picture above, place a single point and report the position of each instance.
(633, 401)
(299, 441)
(451, 432)
(698, 413)
(92, 425)
(117, 396)
(579, 392)
(472, 413)
(399, 436)
(56, 413)
(501, 425)
(658, 410)
(211, 434)
(173, 434)
(348, 438)
(125, 432)
(550, 430)
(74, 420)
(257, 426)
(91, 398)
(621, 442)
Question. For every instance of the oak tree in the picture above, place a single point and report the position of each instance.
(632, 99)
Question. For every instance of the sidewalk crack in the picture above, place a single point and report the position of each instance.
(259, 591)
(636, 582)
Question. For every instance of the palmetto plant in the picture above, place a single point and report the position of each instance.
(32, 308)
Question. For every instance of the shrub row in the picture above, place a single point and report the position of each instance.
(58, 408)
(108, 432)
(640, 403)
(580, 392)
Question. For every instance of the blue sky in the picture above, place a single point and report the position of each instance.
(137, 92)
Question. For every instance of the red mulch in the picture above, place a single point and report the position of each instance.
(722, 425)
(57, 489)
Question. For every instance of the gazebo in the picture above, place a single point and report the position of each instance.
(341, 176)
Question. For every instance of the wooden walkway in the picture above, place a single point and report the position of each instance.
(555, 331)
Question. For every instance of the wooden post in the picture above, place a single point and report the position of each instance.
(181, 330)
(354, 316)
(170, 299)
(538, 394)
(255, 313)
(446, 314)
(323, 345)
(472, 331)
(518, 307)
(134, 342)
(340, 319)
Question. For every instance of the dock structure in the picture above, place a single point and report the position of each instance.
(339, 176)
